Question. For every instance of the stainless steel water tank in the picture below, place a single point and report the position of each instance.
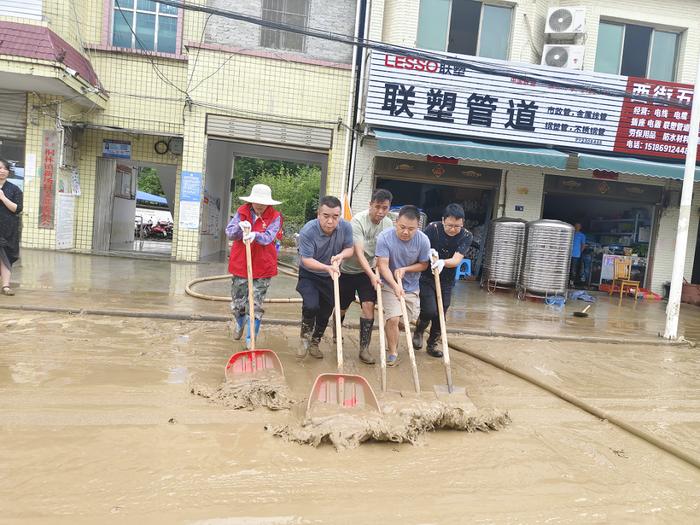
(504, 250)
(545, 268)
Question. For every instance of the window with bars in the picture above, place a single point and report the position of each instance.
(291, 12)
(144, 24)
(637, 51)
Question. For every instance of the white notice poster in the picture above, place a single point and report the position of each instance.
(64, 222)
(189, 215)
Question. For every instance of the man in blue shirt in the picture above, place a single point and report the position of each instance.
(402, 252)
(323, 244)
(577, 247)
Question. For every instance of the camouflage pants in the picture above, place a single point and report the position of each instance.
(239, 296)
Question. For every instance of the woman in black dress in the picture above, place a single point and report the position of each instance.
(10, 208)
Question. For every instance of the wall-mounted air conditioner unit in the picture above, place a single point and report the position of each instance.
(566, 20)
(564, 56)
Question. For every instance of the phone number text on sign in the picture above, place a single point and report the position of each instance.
(653, 129)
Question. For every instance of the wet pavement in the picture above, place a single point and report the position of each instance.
(97, 425)
(64, 280)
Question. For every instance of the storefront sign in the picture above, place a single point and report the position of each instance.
(605, 175)
(440, 97)
(653, 129)
(190, 197)
(116, 149)
(602, 188)
(49, 169)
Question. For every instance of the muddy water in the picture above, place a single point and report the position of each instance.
(655, 387)
(97, 425)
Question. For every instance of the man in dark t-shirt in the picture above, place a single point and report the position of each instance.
(449, 242)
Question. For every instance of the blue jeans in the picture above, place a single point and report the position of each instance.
(574, 269)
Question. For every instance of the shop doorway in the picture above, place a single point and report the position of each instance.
(431, 187)
(615, 225)
(128, 219)
(296, 177)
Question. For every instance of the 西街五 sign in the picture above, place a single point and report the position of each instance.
(442, 97)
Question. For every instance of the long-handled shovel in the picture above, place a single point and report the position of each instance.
(449, 388)
(253, 360)
(382, 340)
(344, 390)
(409, 343)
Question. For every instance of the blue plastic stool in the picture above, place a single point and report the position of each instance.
(464, 269)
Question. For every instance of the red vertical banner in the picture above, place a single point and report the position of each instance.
(653, 129)
(49, 168)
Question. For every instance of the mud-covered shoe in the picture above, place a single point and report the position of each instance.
(432, 348)
(314, 350)
(366, 356)
(307, 326)
(417, 340)
(237, 327)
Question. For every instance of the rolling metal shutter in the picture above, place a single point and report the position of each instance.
(13, 115)
(258, 131)
(21, 8)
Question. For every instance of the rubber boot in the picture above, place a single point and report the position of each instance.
(257, 330)
(432, 344)
(238, 326)
(421, 325)
(307, 326)
(314, 350)
(365, 338)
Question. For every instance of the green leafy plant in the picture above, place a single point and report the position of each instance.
(296, 185)
(149, 182)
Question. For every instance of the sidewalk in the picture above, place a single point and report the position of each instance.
(64, 280)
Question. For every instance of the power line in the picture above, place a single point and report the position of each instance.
(427, 55)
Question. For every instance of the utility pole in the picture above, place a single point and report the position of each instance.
(674, 299)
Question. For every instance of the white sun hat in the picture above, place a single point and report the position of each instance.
(261, 194)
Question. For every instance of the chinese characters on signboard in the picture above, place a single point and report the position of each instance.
(49, 169)
(654, 129)
(423, 95)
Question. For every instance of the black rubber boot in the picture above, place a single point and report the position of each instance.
(307, 326)
(314, 350)
(432, 345)
(366, 326)
(421, 325)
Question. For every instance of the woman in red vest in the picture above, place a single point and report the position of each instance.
(264, 223)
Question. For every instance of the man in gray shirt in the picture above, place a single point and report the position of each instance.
(402, 254)
(323, 244)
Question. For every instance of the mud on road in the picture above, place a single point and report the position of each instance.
(97, 424)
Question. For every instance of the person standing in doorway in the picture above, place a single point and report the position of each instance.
(10, 207)
(449, 242)
(260, 224)
(357, 272)
(324, 243)
(577, 247)
(402, 253)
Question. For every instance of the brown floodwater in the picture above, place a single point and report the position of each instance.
(98, 425)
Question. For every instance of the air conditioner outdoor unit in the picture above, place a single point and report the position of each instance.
(566, 20)
(564, 56)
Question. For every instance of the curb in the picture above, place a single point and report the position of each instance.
(178, 316)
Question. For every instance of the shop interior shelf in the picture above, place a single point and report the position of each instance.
(613, 220)
(612, 234)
